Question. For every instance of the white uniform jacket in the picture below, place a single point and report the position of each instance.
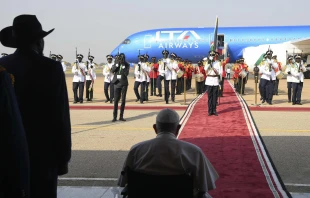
(216, 69)
(108, 73)
(78, 74)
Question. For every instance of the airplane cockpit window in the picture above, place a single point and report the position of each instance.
(126, 41)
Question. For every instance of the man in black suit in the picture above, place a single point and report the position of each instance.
(46, 119)
(120, 70)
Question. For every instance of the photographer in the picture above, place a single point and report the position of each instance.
(120, 70)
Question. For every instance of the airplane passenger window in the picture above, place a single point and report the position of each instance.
(126, 41)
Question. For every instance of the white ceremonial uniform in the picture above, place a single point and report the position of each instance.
(302, 70)
(171, 68)
(289, 77)
(161, 68)
(91, 71)
(167, 155)
(78, 76)
(64, 66)
(140, 76)
(107, 72)
(210, 80)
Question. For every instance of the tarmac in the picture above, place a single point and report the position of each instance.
(99, 147)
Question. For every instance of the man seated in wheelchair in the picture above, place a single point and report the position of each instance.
(166, 155)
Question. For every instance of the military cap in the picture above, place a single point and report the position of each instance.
(290, 58)
(79, 56)
(4, 54)
(269, 52)
(165, 52)
(109, 56)
(241, 59)
(59, 56)
(141, 56)
(297, 56)
(91, 57)
(154, 57)
(146, 56)
(212, 53)
(53, 56)
(173, 54)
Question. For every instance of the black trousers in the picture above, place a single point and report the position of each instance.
(212, 98)
(289, 91)
(180, 85)
(106, 91)
(228, 76)
(276, 87)
(222, 87)
(153, 82)
(188, 83)
(159, 85)
(297, 88)
(167, 91)
(200, 87)
(146, 92)
(89, 94)
(239, 85)
(139, 96)
(119, 91)
(75, 87)
(43, 181)
(266, 91)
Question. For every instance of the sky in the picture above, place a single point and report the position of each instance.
(101, 25)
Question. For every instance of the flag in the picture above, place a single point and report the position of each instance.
(260, 59)
(215, 34)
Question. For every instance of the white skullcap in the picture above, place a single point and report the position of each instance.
(168, 116)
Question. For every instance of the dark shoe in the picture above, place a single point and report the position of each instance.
(151, 95)
(74, 102)
(137, 100)
(299, 103)
(88, 99)
(263, 101)
(167, 102)
(293, 103)
(111, 101)
(173, 100)
(114, 120)
(270, 103)
(209, 114)
(122, 119)
(214, 113)
(289, 101)
(107, 101)
(81, 101)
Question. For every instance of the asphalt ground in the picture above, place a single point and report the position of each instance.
(100, 146)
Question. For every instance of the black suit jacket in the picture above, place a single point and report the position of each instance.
(117, 70)
(42, 97)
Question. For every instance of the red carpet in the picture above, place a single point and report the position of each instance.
(229, 142)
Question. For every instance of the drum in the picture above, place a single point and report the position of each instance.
(279, 75)
(180, 73)
(199, 77)
(243, 74)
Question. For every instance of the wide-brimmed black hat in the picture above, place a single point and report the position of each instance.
(25, 30)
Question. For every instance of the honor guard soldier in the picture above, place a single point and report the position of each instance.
(79, 71)
(268, 75)
(213, 72)
(64, 66)
(147, 73)
(171, 76)
(54, 57)
(161, 71)
(297, 80)
(289, 77)
(90, 78)
(153, 76)
(108, 78)
(141, 77)
(276, 82)
(3, 55)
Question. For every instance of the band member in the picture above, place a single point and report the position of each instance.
(180, 81)
(189, 71)
(161, 70)
(120, 80)
(223, 63)
(64, 66)
(200, 74)
(140, 79)
(79, 71)
(153, 76)
(107, 80)
(268, 74)
(171, 76)
(298, 71)
(276, 82)
(147, 73)
(54, 57)
(90, 77)
(289, 77)
(214, 72)
(242, 80)
(235, 69)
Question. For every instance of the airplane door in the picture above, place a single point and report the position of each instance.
(147, 41)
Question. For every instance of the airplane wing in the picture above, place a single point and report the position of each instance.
(305, 41)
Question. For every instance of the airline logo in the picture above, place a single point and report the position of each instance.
(177, 39)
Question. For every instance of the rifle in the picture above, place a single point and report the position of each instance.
(139, 65)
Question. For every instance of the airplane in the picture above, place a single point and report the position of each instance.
(236, 42)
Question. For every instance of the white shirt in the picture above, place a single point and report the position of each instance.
(295, 75)
(302, 70)
(171, 68)
(289, 76)
(168, 156)
(91, 71)
(210, 80)
(141, 75)
(264, 69)
(64, 66)
(228, 71)
(107, 72)
(161, 68)
(78, 76)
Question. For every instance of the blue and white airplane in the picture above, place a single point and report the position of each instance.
(194, 43)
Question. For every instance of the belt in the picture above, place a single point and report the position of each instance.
(212, 75)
